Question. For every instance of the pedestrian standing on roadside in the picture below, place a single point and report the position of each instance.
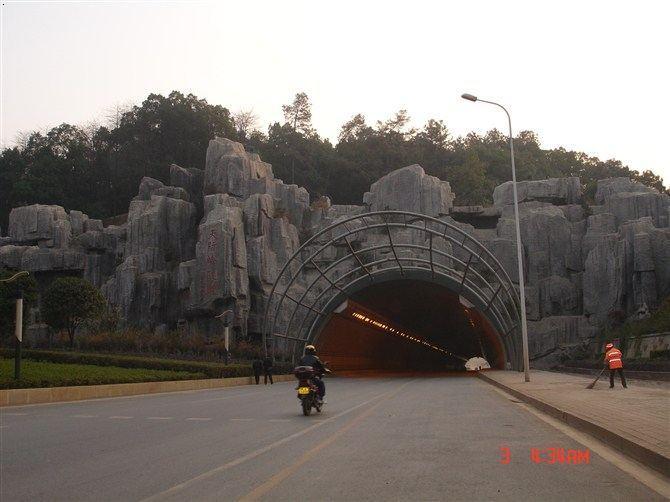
(613, 361)
(257, 366)
(268, 367)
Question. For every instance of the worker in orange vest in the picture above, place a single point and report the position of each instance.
(615, 364)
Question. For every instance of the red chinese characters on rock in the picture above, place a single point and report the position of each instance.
(559, 456)
(211, 275)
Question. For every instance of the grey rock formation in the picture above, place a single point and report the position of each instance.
(229, 168)
(38, 224)
(217, 239)
(410, 189)
(221, 277)
(549, 337)
(554, 190)
(188, 179)
(632, 206)
(610, 186)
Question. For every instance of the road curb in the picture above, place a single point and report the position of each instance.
(19, 397)
(634, 450)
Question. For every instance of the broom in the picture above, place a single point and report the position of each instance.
(593, 384)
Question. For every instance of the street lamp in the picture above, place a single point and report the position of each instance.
(522, 292)
(18, 323)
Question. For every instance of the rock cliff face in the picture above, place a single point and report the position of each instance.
(217, 238)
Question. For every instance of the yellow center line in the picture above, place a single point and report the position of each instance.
(249, 456)
(278, 478)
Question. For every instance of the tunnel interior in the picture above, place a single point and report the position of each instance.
(407, 325)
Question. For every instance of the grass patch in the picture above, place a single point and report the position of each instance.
(46, 374)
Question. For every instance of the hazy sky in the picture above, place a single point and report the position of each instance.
(588, 75)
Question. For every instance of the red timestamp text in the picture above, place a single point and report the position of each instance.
(551, 456)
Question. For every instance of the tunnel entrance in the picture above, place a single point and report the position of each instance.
(407, 325)
(393, 290)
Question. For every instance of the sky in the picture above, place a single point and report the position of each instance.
(591, 76)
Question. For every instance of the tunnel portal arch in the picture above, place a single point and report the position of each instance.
(371, 248)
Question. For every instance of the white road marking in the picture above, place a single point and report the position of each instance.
(3, 426)
(228, 397)
(198, 419)
(280, 420)
(14, 414)
(84, 416)
(120, 417)
(242, 419)
(160, 418)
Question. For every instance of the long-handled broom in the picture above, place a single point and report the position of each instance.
(593, 384)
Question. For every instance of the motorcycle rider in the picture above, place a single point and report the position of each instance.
(311, 359)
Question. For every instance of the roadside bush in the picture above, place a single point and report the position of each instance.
(658, 322)
(170, 344)
(44, 374)
(210, 370)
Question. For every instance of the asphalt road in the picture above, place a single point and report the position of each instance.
(382, 439)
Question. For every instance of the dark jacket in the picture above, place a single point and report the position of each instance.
(313, 361)
(257, 366)
(267, 364)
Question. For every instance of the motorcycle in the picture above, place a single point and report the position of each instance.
(307, 391)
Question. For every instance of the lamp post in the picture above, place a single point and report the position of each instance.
(18, 324)
(522, 292)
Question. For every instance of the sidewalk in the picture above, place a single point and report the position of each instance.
(634, 420)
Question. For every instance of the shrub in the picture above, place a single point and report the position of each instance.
(210, 370)
(44, 374)
(70, 301)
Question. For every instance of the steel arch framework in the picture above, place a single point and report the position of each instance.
(357, 251)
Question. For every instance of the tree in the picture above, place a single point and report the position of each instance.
(70, 301)
(354, 129)
(8, 294)
(650, 179)
(436, 133)
(245, 122)
(469, 181)
(52, 167)
(396, 125)
(299, 114)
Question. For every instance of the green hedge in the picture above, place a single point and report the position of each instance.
(210, 370)
(47, 374)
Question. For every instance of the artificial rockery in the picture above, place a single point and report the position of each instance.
(215, 239)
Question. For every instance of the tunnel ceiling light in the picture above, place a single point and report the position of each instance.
(397, 332)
